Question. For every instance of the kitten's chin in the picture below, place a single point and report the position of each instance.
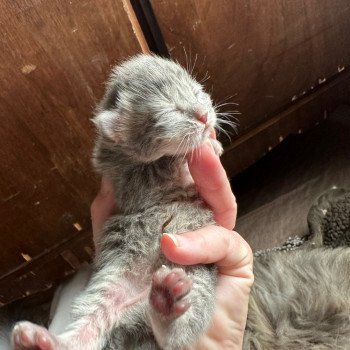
(181, 149)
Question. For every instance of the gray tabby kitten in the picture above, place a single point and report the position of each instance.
(152, 115)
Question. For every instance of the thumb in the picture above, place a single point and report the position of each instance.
(211, 244)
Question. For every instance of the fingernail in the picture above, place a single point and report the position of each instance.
(172, 238)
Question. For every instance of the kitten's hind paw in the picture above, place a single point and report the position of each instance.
(169, 287)
(29, 336)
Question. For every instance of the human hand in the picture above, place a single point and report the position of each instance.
(217, 244)
(212, 244)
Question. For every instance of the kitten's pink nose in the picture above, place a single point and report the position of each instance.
(203, 118)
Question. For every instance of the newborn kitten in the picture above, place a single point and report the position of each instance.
(152, 115)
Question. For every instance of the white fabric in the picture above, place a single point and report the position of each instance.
(60, 312)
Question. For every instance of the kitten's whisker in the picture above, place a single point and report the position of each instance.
(190, 62)
(185, 149)
(199, 150)
(225, 132)
(227, 98)
(179, 149)
(189, 142)
(229, 123)
(205, 78)
(211, 90)
(177, 152)
(226, 118)
(226, 121)
(203, 62)
(186, 57)
(234, 111)
(183, 146)
(192, 155)
(226, 104)
(194, 64)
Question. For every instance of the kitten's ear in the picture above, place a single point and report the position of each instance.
(109, 123)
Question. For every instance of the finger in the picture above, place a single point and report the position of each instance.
(103, 206)
(213, 185)
(211, 244)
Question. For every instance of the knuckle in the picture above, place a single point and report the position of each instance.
(227, 238)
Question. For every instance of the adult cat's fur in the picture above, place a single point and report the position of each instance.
(152, 115)
(300, 300)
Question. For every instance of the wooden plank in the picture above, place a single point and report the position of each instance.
(54, 57)
(266, 54)
(307, 112)
(47, 269)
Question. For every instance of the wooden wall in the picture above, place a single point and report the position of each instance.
(267, 54)
(286, 63)
(55, 56)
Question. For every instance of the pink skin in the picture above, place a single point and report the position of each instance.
(29, 336)
(169, 287)
(86, 334)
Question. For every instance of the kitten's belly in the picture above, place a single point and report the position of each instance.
(131, 249)
(131, 242)
(134, 239)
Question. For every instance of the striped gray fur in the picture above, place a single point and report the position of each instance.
(300, 300)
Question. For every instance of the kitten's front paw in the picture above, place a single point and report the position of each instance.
(29, 336)
(169, 286)
(218, 149)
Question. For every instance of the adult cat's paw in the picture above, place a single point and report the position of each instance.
(169, 286)
(29, 336)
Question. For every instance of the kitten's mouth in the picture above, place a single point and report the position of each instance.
(204, 135)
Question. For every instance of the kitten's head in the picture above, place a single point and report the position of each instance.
(153, 108)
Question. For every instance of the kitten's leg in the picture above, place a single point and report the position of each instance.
(98, 310)
(181, 306)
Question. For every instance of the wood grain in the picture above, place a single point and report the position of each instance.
(54, 57)
(266, 54)
(302, 115)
